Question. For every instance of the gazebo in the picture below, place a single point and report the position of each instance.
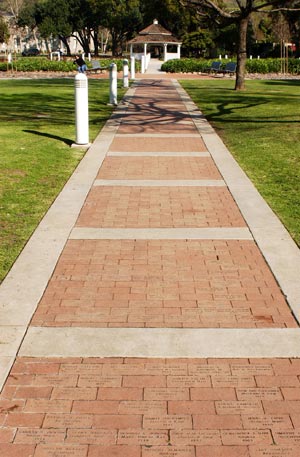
(155, 35)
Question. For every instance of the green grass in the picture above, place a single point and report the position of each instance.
(37, 127)
(261, 127)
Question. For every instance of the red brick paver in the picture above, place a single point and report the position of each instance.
(165, 168)
(168, 283)
(160, 207)
(155, 419)
(169, 144)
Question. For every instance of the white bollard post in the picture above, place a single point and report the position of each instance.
(125, 73)
(143, 64)
(81, 109)
(132, 67)
(113, 79)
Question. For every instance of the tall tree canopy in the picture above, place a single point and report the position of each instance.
(240, 12)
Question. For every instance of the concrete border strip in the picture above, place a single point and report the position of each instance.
(280, 251)
(225, 233)
(172, 343)
(158, 154)
(160, 183)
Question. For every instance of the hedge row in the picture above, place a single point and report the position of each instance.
(27, 64)
(253, 66)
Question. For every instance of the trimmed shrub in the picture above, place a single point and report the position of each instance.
(261, 66)
(30, 64)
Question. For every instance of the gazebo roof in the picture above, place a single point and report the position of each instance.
(154, 33)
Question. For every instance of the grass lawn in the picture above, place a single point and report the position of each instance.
(37, 127)
(261, 127)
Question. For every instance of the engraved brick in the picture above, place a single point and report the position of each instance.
(94, 436)
(195, 437)
(254, 370)
(176, 369)
(233, 381)
(142, 407)
(143, 437)
(94, 380)
(43, 436)
(246, 437)
(121, 369)
(217, 422)
(274, 451)
(284, 437)
(33, 392)
(267, 422)
(239, 407)
(44, 406)
(61, 451)
(68, 421)
(260, 393)
(167, 422)
(55, 380)
(188, 381)
(170, 393)
(82, 369)
(209, 370)
(168, 451)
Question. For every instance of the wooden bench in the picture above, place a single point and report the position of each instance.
(96, 67)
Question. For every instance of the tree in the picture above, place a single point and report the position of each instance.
(239, 12)
(123, 18)
(197, 43)
(4, 33)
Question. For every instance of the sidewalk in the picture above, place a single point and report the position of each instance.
(154, 311)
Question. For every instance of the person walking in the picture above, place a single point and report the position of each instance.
(81, 65)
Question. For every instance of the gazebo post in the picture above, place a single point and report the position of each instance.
(145, 55)
(178, 50)
(131, 50)
(165, 51)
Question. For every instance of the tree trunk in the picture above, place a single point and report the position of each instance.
(242, 54)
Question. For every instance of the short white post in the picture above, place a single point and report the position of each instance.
(143, 64)
(132, 67)
(81, 109)
(113, 79)
(125, 73)
(226, 56)
(9, 57)
(220, 57)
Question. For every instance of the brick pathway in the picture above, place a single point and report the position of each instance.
(158, 174)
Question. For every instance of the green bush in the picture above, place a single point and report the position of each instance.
(28, 64)
(261, 66)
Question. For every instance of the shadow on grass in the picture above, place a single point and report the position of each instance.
(67, 141)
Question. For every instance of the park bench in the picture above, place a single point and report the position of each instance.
(96, 67)
(230, 69)
(214, 68)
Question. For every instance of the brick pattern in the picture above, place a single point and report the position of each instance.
(151, 407)
(165, 168)
(169, 283)
(178, 207)
(145, 144)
